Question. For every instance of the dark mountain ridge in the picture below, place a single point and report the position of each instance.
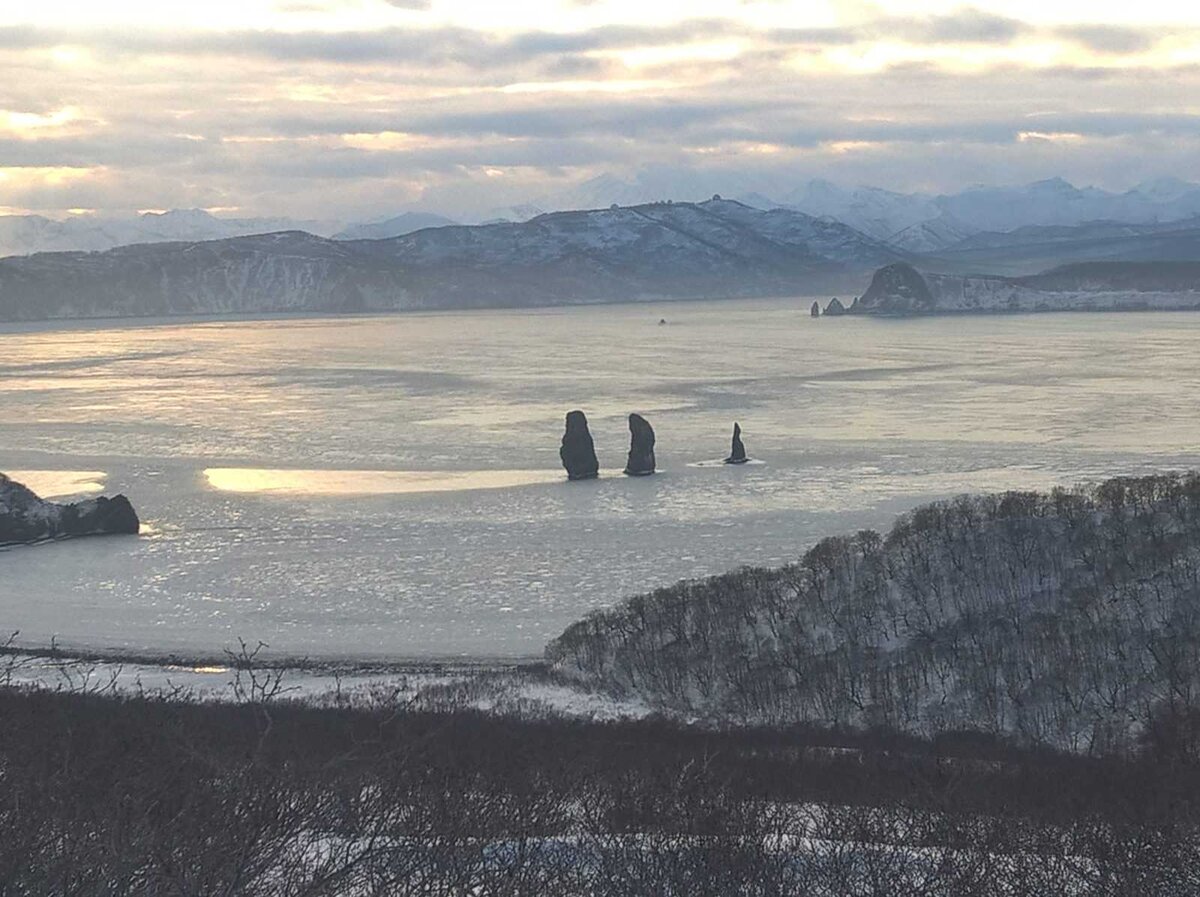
(714, 249)
(1032, 249)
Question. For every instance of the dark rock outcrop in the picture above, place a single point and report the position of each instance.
(897, 289)
(737, 454)
(815, 311)
(835, 308)
(1092, 286)
(641, 447)
(578, 453)
(26, 518)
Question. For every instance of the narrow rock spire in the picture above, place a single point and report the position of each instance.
(578, 453)
(641, 447)
(737, 454)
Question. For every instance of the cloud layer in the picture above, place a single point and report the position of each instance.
(422, 112)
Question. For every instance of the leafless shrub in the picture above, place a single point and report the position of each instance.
(253, 682)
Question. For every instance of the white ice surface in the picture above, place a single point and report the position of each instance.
(854, 420)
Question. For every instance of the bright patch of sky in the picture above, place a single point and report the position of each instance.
(563, 14)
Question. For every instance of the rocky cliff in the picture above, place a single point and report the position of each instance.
(900, 289)
(26, 518)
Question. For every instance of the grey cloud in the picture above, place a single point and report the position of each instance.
(446, 45)
(397, 80)
(473, 49)
(963, 26)
(346, 163)
(22, 37)
(814, 36)
(105, 149)
(999, 130)
(627, 118)
(1111, 38)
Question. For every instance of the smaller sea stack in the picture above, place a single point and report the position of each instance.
(737, 454)
(815, 311)
(578, 453)
(641, 447)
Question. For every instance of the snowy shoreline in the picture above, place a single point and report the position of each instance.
(507, 689)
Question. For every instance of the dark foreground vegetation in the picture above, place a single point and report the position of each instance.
(104, 795)
(1069, 619)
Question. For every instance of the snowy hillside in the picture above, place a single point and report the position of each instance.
(714, 249)
(933, 235)
(1067, 619)
(881, 213)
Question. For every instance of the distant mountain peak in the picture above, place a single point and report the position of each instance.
(395, 226)
(180, 215)
(1164, 189)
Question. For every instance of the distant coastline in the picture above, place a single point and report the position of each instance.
(901, 290)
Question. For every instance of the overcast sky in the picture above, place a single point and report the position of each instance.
(353, 108)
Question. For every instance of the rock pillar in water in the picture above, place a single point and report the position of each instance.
(835, 308)
(737, 454)
(578, 453)
(641, 447)
(815, 311)
(26, 518)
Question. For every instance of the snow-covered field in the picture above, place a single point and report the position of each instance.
(300, 546)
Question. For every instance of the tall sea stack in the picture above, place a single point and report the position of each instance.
(737, 454)
(641, 447)
(815, 311)
(578, 453)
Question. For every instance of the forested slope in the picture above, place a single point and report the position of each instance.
(1070, 618)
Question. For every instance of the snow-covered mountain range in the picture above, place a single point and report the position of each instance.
(925, 223)
(714, 249)
(913, 222)
(917, 222)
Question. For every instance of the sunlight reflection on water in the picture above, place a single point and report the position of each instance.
(369, 482)
(60, 483)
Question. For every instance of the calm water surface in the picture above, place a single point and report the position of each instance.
(390, 487)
